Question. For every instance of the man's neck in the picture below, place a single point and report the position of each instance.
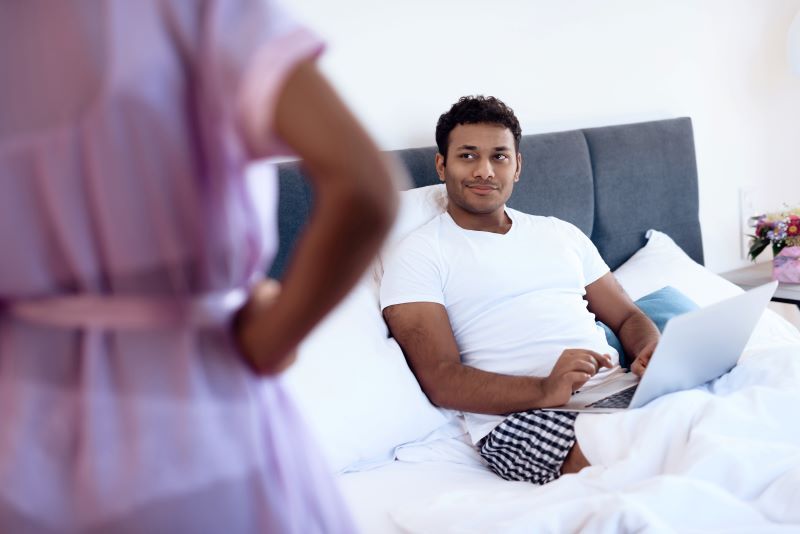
(497, 222)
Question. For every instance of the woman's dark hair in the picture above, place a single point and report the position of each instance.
(476, 110)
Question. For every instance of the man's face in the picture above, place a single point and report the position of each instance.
(482, 167)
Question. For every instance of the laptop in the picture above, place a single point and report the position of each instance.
(695, 347)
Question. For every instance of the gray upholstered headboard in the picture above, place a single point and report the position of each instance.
(614, 183)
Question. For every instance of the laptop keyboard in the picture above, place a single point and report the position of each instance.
(620, 399)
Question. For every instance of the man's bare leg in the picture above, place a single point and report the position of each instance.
(575, 461)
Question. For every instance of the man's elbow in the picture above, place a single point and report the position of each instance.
(436, 388)
(631, 317)
(436, 397)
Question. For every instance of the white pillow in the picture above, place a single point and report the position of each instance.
(355, 389)
(416, 207)
(663, 263)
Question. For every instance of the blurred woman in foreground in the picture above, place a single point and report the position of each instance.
(129, 242)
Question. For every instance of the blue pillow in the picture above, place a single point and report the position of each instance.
(660, 306)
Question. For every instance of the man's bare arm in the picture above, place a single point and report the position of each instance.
(611, 305)
(424, 333)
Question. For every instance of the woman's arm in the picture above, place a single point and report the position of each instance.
(354, 206)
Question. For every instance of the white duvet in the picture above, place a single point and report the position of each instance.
(723, 458)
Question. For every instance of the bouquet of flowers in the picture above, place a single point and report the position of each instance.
(780, 229)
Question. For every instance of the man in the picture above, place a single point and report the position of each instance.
(495, 309)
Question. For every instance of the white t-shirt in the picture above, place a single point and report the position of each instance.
(515, 300)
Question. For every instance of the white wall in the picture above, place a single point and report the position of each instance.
(565, 64)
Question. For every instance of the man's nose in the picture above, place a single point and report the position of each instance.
(484, 169)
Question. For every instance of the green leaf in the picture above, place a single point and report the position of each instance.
(757, 248)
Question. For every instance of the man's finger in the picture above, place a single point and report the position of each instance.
(577, 379)
(649, 350)
(605, 361)
(582, 366)
(601, 360)
(592, 353)
(644, 359)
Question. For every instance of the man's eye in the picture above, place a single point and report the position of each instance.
(501, 156)
(467, 156)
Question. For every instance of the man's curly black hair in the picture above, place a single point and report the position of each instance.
(476, 109)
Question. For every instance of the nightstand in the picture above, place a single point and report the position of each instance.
(761, 273)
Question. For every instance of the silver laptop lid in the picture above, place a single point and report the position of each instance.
(702, 345)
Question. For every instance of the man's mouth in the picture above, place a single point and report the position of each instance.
(481, 189)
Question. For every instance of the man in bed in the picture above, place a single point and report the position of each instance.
(495, 309)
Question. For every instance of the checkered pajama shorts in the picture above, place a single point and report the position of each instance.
(530, 446)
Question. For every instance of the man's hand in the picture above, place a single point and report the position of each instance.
(638, 334)
(573, 368)
(639, 365)
(260, 304)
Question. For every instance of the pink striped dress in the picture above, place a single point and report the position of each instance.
(127, 239)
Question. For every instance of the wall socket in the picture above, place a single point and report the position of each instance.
(747, 209)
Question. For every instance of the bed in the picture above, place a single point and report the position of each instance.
(722, 457)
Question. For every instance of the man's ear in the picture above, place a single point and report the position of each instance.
(440, 166)
(519, 167)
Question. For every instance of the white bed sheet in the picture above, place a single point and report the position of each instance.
(375, 496)
(723, 458)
